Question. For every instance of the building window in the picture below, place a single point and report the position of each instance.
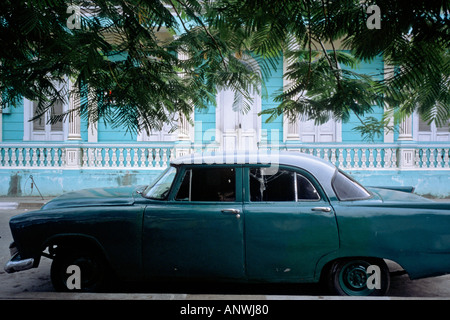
(42, 129)
(307, 131)
(431, 132)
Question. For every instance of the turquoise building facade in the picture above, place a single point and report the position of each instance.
(37, 158)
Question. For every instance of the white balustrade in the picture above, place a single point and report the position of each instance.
(157, 156)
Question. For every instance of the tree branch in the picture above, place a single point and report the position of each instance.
(207, 32)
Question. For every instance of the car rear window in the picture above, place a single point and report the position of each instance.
(346, 188)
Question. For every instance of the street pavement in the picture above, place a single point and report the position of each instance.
(35, 283)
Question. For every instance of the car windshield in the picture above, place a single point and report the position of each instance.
(160, 189)
(348, 189)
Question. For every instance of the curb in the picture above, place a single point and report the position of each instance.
(20, 205)
(198, 297)
(30, 203)
(8, 205)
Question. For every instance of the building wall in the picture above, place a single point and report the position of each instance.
(205, 125)
(274, 85)
(54, 182)
(374, 68)
(106, 133)
(12, 126)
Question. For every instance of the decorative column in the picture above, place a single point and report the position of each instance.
(185, 131)
(73, 154)
(405, 127)
(93, 113)
(388, 134)
(406, 154)
(290, 128)
(74, 116)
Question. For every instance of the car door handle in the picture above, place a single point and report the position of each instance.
(232, 211)
(322, 209)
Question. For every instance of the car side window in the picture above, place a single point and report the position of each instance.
(306, 190)
(271, 187)
(284, 185)
(208, 184)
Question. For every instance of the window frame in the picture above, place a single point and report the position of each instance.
(48, 134)
(433, 135)
(180, 176)
(352, 180)
(144, 193)
(298, 171)
(296, 189)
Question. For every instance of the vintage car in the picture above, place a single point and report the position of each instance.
(281, 217)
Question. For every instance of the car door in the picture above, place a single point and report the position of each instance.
(289, 224)
(198, 232)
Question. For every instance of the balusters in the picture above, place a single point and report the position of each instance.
(371, 159)
(164, 157)
(121, 159)
(27, 157)
(6, 158)
(355, 159)
(84, 157)
(348, 159)
(363, 158)
(143, 159)
(417, 158)
(432, 158)
(128, 158)
(63, 157)
(13, 157)
(446, 158)
(135, 158)
(378, 158)
(41, 157)
(107, 164)
(159, 156)
(98, 157)
(20, 157)
(341, 158)
(48, 156)
(439, 158)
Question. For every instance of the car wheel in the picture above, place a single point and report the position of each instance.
(78, 270)
(350, 277)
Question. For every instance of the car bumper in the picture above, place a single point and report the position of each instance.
(16, 263)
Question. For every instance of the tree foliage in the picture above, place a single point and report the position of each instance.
(126, 74)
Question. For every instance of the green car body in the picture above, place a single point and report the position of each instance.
(242, 237)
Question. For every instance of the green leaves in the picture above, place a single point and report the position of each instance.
(146, 61)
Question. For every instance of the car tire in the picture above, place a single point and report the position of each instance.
(87, 265)
(349, 277)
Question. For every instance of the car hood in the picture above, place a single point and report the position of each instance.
(118, 196)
